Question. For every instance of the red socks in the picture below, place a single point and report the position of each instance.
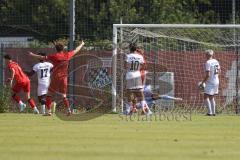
(66, 102)
(16, 98)
(48, 102)
(31, 103)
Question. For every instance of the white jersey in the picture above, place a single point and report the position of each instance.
(135, 76)
(43, 72)
(134, 62)
(213, 67)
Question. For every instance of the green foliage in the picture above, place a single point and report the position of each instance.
(5, 99)
(49, 20)
(98, 45)
(38, 44)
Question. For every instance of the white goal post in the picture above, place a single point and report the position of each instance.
(175, 39)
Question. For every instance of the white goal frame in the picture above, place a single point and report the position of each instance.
(115, 38)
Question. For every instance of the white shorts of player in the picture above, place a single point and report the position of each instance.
(135, 83)
(211, 89)
(42, 88)
(135, 80)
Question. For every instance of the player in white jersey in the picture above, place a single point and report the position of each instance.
(43, 70)
(211, 81)
(135, 78)
(135, 72)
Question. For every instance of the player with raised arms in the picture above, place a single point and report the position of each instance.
(135, 78)
(210, 83)
(22, 82)
(43, 70)
(60, 61)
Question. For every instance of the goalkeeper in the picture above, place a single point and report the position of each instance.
(150, 98)
(212, 70)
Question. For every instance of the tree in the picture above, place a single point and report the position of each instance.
(42, 19)
(49, 19)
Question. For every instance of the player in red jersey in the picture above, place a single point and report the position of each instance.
(22, 82)
(59, 79)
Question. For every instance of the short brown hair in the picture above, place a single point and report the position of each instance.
(42, 54)
(7, 56)
(59, 46)
(134, 47)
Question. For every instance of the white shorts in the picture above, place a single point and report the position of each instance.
(42, 88)
(135, 83)
(211, 89)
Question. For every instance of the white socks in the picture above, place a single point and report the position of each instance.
(43, 109)
(208, 105)
(213, 106)
(35, 110)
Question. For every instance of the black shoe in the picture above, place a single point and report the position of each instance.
(208, 114)
(213, 114)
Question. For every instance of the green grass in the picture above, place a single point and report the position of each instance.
(30, 137)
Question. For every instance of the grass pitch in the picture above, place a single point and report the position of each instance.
(33, 137)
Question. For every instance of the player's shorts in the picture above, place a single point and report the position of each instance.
(42, 89)
(25, 86)
(58, 85)
(211, 89)
(135, 83)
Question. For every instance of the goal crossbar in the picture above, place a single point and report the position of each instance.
(178, 25)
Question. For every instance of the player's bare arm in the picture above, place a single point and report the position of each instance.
(78, 48)
(207, 75)
(12, 77)
(36, 56)
(219, 71)
(143, 66)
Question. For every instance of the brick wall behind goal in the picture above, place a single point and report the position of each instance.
(83, 93)
(188, 69)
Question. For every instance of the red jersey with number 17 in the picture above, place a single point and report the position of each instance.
(19, 76)
(60, 62)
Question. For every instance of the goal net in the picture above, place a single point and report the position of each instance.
(175, 61)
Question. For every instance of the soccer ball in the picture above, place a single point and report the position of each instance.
(201, 86)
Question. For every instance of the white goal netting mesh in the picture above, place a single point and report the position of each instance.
(175, 62)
